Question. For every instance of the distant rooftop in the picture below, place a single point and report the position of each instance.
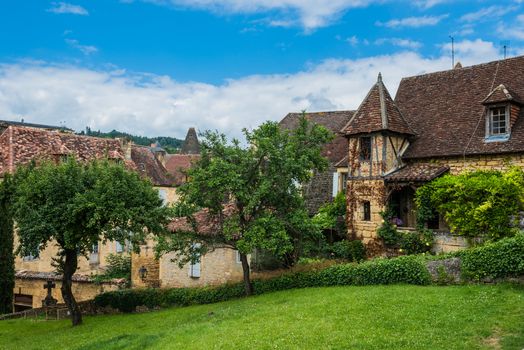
(6, 123)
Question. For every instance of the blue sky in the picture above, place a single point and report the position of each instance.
(159, 66)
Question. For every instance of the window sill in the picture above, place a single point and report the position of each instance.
(498, 138)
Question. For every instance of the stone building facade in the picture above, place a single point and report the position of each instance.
(458, 120)
(21, 143)
(324, 185)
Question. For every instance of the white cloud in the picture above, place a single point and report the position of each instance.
(353, 40)
(426, 4)
(404, 43)
(63, 7)
(513, 30)
(413, 22)
(309, 14)
(158, 105)
(85, 49)
(487, 14)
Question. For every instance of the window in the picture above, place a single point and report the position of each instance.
(119, 247)
(498, 122)
(162, 194)
(94, 249)
(194, 267)
(237, 257)
(335, 184)
(365, 148)
(367, 211)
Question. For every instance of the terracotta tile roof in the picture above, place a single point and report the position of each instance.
(206, 224)
(19, 145)
(177, 164)
(333, 121)
(417, 172)
(501, 94)
(5, 123)
(149, 166)
(377, 112)
(446, 112)
(343, 163)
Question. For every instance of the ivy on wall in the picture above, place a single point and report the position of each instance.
(480, 203)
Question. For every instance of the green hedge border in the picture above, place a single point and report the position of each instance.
(501, 259)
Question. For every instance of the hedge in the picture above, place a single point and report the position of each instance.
(408, 269)
(501, 259)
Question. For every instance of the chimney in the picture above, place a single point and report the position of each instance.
(191, 144)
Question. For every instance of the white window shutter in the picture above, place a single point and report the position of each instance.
(335, 184)
(119, 248)
(162, 194)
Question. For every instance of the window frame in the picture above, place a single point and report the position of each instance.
(366, 211)
(365, 156)
(490, 135)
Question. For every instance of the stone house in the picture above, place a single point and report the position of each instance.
(217, 266)
(467, 118)
(324, 185)
(21, 143)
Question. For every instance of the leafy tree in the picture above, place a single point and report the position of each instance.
(480, 203)
(75, 205)
(252, 192)
(7, 267)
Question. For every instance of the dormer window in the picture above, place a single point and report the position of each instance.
(497, 123)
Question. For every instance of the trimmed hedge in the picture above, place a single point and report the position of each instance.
(504, 258)
(501, 259)
(407, 269)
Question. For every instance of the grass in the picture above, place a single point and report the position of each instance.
(376, 317)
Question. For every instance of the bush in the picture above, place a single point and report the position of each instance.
(501, 259)
(480, 203)
(118, 266)
(409, 270)
(349, 250)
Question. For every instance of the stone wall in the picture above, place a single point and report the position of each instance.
(484, 162)
(216, 267)
(145, 258)
(319, 190)
(81, 290)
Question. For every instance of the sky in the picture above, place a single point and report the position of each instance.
(158, 67)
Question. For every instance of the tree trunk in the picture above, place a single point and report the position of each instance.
(245, 268)
(70, 266)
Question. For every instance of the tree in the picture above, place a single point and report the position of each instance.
(7, 267)
(74, 205)
(252, 193)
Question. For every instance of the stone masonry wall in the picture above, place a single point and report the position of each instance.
(81, 290)
(319, 190)
(216, 267)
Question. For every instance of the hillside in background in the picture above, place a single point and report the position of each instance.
(170, 144)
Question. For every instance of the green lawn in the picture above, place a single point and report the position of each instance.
(377, 317)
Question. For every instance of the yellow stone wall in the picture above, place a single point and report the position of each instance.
(81, 290)
(485, 162)
(216, 267)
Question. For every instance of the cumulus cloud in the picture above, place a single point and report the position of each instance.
(309, 14)
(64, 7)
(159, 105)
(413, 22)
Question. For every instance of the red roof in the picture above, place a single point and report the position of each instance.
(177, 164)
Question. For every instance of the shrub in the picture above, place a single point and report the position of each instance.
(409, 270)
(349, 250)
(501, 259)
(476, 203)
(118, 266)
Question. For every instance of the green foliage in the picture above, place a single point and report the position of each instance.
(78, 204)
(257, 186)
(118, 266)
(504, 258)
(170, 144)
(330, 214)
(349, 250)
(480, 203)
(7, 264)
(410, 270)
(407, 242)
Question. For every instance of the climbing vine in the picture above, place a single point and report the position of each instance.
(480, 203)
